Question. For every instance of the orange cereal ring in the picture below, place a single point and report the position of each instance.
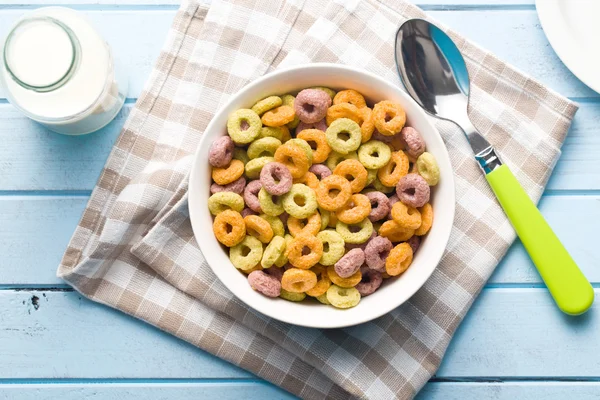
(406, 216)
(309, 179)
(278, 116)
(350, 96)
(394, 232)
(296, 249)
(394, 170)
(326, 196)
(354, 172)
(229, 228)
(426, 219)
(321, 148)
(351, 281)
(309, 226)
(259, 228)
(357, 209)
(298, 280)
(333, 220)
(367, 126)
(294, 158)
(223, 176)
(323, 281)
(399, 259)
(389, 117)
(343, 110)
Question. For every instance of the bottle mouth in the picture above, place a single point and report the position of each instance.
(41, 53)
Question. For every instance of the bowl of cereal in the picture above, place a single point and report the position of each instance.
(313, 193)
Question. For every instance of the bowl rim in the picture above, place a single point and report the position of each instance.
(196, 179)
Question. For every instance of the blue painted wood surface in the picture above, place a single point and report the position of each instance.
(514, 344)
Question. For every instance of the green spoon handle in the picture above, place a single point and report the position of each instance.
(567, 284)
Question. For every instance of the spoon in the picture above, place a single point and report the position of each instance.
(436, 77)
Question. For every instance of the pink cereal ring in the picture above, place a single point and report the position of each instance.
(413, 190)
(251, 195)
(264, 283)
(273, 172)
(380, 206)
(248, 211)
(320, 125)
(376, 253)
(350, 263)
(370, 282)
(221, 152)
(414, 242)
(275, 272)
(415, 145)
(393, 200)
(311, 105)
(236, 186)
(320, 170)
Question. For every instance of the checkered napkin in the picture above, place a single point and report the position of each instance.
(134, 248)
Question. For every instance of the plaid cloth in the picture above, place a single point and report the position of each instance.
(134, 249)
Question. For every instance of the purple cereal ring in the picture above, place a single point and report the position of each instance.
(275, 272)
(221, 152)
(376, 253)
(414, 242)
(370, 282)
(251, 195)
(248, 211)
(413, 190)
(350, 263)
(236, 186)
(264, 283)
(393, 200)
(320, 125)
(311, 105)
(273, 172)
(380, 206)
(382, 138)
(415, 145)
(321, 171)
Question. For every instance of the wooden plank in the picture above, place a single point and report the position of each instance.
(510, 391)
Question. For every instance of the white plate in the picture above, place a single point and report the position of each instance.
(573, 30)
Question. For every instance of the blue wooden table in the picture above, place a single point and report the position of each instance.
(514, 344)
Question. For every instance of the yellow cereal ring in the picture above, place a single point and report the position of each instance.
(389, 117)
(223, 176)
(272, 252)
(229, 228)
(295, 248)
(333, 247)
(340, 297)
(291, 296)
(294, 158)
(399, 259)
(354, 172)
(323, 281)
(247, 253)
(266, 104)
(263, 147)
(300, 201)
(426, 220)
(240, 154)
(374, 154)
(323, 299)
(278, 116)
(357, 209)
(321, 147)
(351, 281)
(281, 133)
(324, 218)
(221, 201)
(326, 196)
(394, 170)
(362, 235)
(259, 228)
(394, 232)
(350, 96)
(297, 280)
(276, 224)
(428, 168)
(254, 166)
(269, 204)
(303, 144)
(288, 100)
(282, 260)
(343, 135)
(371, 176)
(243, 126)
(406, 217)
(310, 225)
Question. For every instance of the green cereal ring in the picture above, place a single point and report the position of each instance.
(323, 299)
(264, 147)
(253, 249)
(338, 130)
(222, 201)
(240, 154)
(254, 166)
(343, 297)
(271, 131)
(243, 126)
(276, 224)
(273, 251)
(373, 154)
(333, 247)
(371, 176)
(300, 201)
(267, 204)
(330, 92)
(380, 187)
(266, 104)
(428, 168)
(288, 100)
(303, 144)
(366, 229)
(324, 218)
(282, 260)
(335, 158)
(291, 296)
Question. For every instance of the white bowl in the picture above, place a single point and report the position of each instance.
(394, 291)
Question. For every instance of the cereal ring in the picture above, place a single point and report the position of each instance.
(413, 190)
(309, 179)
(263, 147)
(374, 154)
(333, 247)
(288, 100)
(414, 243)
(395, 169)
(248, 211)
(272, 252)
(370, 282)
(270, 204)
(320, 149)
(257, 267)
(243, 126)
(357, 209)
(380, 206)
(371, 176)
(291, 296)
(283, 259)
(323, 281)
(233, 171)
(326, 196)
(343, 297)
(266, 104)
(415, 145)
(391, 230)
(426, 220)
(311, 105)
(320, 170)
(300, 201)
(276, 179)
(389, 117)
(323, 299)
(278, 116)
(427, 167)
(278, 132)
(275, 272)
(354, 172)
(376, 252)
(222, 201)
(350, 263)
(330, 92)
(380, 187)
(399, 259)
(335, 158)
(343, 110)
(295, 251)
(297, 280)
(350, 235)
(247, 253)
(251, 195)
(221, 152)
(236, 186)
(299, 226)
(264, 283)
(240, 154)
(395, 142)
(350, 96)
(343, 135)
(406, 216)
(393, 199)
(367, 125)
(332, 220)
(343, 282)
(294, 158)
(276, 224)
(229, 228)
(324, 218)
(320, 125)
(363, 245)
(303, 144)
(259, 228)
(254, 166)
